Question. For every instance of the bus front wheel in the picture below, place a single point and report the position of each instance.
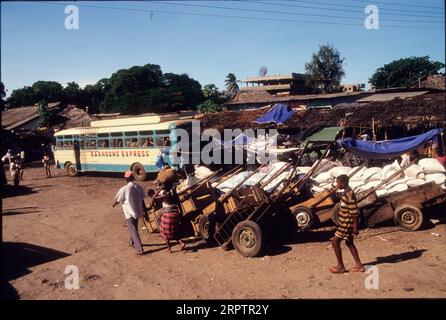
(71, 169)
(139, 172)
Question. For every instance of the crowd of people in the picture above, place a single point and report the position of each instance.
(17, 162)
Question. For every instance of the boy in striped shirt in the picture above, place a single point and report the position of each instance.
(348, 227)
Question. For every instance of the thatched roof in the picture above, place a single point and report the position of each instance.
(425, 110)
(73, 117)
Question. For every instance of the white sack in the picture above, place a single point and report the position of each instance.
(438, 178)
(372, 174)
(323, 178)
(358, 175)
(337, 171)
(415, 182)
(415, 171)
(431, 165)
(398, 188)
(201, 172)
(324, 166)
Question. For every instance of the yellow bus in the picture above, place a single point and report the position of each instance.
(118, 145)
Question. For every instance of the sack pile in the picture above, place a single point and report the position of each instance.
(427, 170)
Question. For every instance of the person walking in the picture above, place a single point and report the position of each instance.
(348, 227)
(131, 196)
(170, 221)
(22, 163)
(47, 164)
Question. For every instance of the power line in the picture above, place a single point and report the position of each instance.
(224, 16)
(281, 12)
(387, 11)
(399, 4)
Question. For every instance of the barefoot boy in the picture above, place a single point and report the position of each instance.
(348, 227)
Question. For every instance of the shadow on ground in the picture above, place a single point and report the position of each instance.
(12, 191)
(17, 258)
(400, 257)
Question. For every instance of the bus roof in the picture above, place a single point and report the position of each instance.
(123, 128)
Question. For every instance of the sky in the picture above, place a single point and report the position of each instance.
(206, 41)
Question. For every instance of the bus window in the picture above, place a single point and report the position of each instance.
(131, 142)
(116, 143)
(104, 143)
(162, 141)
(131, 134)
(103, 135)
(69, 145)
(59, 144)
(90, 144)
(146, 142)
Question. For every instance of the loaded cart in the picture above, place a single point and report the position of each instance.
(406, 208)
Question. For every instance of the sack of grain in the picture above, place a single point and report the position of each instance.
(415, 182)
(372, 174)
(394, 183)
(358, 175)
(398, 188)
(337, 171)
(323, 178)
(390, 170)
(201, 172)
(323, 166)
(431, 165)
(415, 171)
(438, 178)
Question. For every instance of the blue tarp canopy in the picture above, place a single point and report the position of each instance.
(278, 114)
(389, 148)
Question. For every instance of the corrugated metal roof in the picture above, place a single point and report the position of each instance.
(391, 96)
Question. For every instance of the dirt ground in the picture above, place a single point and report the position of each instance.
(49, 224)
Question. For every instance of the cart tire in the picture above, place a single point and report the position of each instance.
(71, 169)
(304, 218)
(206, 228)
(247, 239)
(139, 172)
(408, 217)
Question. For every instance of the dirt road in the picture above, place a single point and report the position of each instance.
(58, 222)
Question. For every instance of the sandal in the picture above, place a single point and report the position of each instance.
(337, 271)
(140, 253)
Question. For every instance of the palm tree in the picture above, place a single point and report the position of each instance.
(231, 83)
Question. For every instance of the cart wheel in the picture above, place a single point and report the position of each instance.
(139, 172)
(71, 169)
(408, 217)
(247, 238)
(304, 218)
(206, 228)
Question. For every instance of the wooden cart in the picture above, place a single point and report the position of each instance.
(406, 208)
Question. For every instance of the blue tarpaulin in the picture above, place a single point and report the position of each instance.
(278, 114)
(389, 148)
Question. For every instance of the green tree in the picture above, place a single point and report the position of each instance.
(325, 70)
(210, 91)
(45, 115)
(49, 90)
(21, 97)
(231, 84)
(73, 93)
(404, 72)
(208, 106)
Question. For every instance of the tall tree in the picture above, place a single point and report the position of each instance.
(325, 70)
(210, 91)
(73, 93)
(231, 83)
(404, 72)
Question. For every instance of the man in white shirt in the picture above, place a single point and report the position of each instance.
(131, 196)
